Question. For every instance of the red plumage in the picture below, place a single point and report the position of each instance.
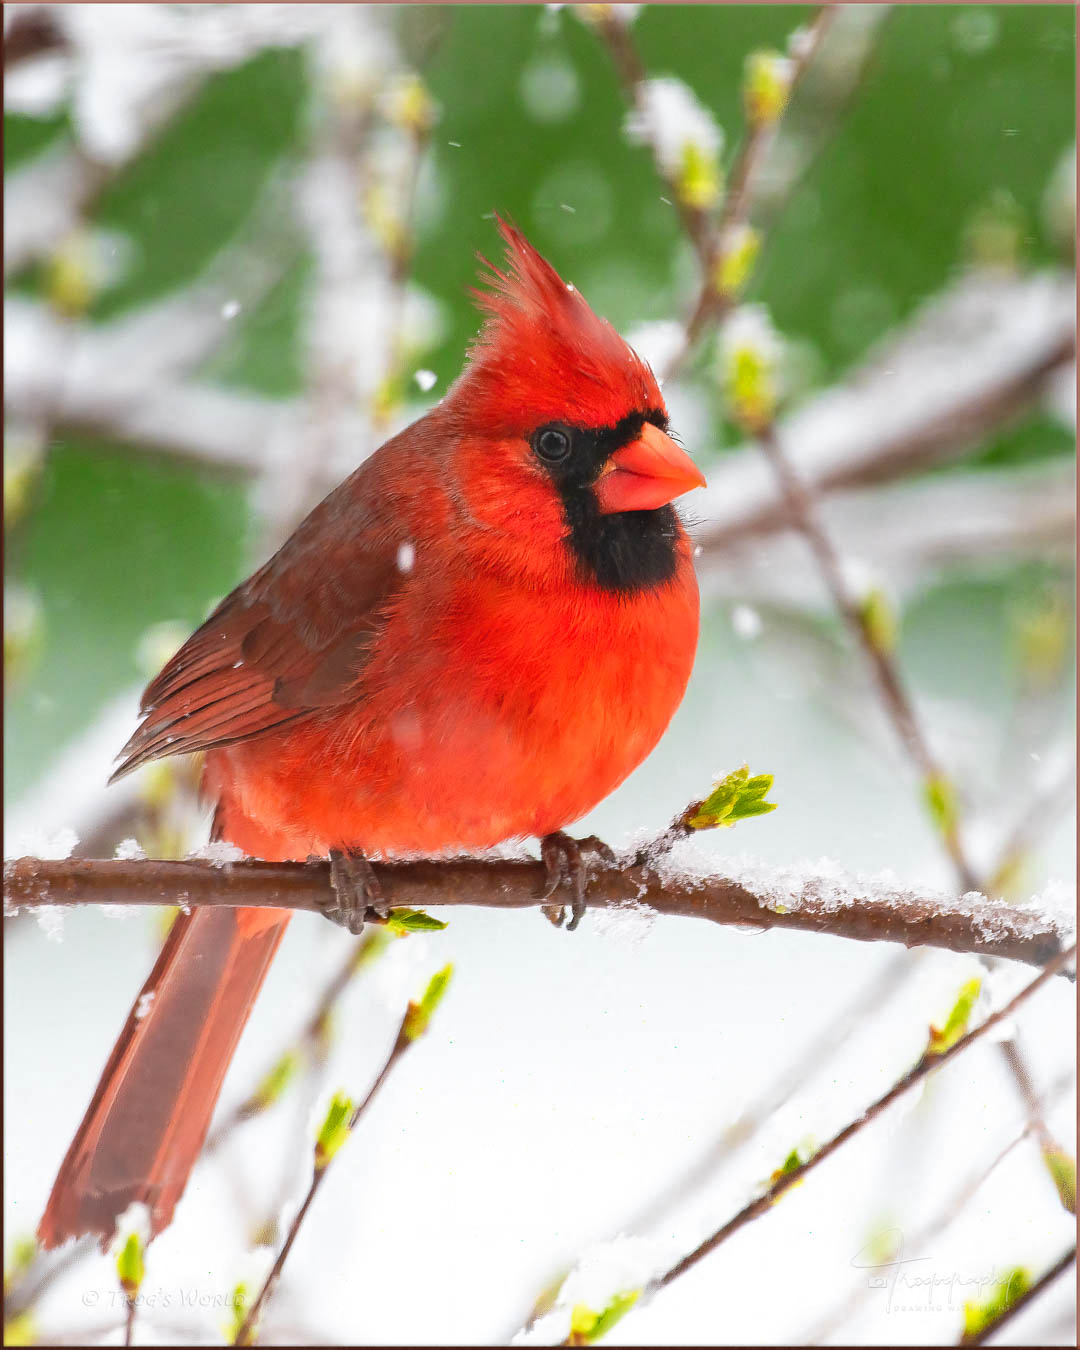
(427, 665)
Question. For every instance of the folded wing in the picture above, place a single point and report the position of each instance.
(291, 640)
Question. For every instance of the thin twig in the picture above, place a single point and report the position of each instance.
(713, 303)
(1029, 1094)
(42, 1273)
(733, 1137)
(1064, 1263)
(897, 704)
(810, 1059)
(894, 696)
(630, 70)
(868, 912)
(926, 1065)
(310, 1036)
(244, 1334)
(945, 1216)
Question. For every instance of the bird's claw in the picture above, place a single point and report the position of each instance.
(563, 860)
(357, 892)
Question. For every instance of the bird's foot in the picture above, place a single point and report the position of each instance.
(357, 892)
(563, 860)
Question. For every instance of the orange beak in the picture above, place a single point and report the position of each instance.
(645, 474)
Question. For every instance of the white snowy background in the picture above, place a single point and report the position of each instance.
(569, 1080)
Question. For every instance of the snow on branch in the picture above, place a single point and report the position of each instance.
(906, 531)
(976, 356)
(828, 900)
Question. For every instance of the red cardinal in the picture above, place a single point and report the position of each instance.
(474, 638)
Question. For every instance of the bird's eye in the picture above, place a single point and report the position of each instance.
(552, 444)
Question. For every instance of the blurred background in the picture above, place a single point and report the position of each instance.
(238, 242)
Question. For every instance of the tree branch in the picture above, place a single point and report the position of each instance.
(810, 1058)
(977, 356)
(958, 1200)
(866, 910)
(711, 304)
(898, 706)
(311, 1041)
(1040, 1286)
(926, 1065)
(338, 1128)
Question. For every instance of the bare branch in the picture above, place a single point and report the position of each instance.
(927, 1064)
(1067, 1261)
(893, 694)
(866, 911)
(630, 70)
(810, 1058)
(308, 1041)
(402, 1041)
(896, 702)
(949, 1211)
(712, 304)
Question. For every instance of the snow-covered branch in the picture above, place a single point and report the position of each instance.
(907, 531)
(977, 356)
(866, 909)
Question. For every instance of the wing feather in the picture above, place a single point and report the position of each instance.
(290, 641)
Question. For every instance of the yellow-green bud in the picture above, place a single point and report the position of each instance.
(978, 1317)
(276, 1081)
(766, 86)
(22, 469)
(238, 1307)
(940, 797)
(750, 354)
(698, 181)
(72, 280)
(20, 1329)
(878, 619)
(956, 1024)
(130, 1267)
(334, 1130)
(409, 105)
(418, 1015)
(587, 1326)
(738, 253)
(24, 631)
(1062, 1168)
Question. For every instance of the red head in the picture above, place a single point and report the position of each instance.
(544, 356)
(560, 413)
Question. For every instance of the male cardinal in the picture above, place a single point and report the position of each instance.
(474, 638)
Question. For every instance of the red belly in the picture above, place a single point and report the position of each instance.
(469, 728)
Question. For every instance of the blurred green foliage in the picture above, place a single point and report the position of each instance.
(962, 109)
(115, 543)
(194, 187)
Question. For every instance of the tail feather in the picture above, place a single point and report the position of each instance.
(148, 1118)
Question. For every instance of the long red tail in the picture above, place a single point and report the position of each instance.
(148, 1118)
